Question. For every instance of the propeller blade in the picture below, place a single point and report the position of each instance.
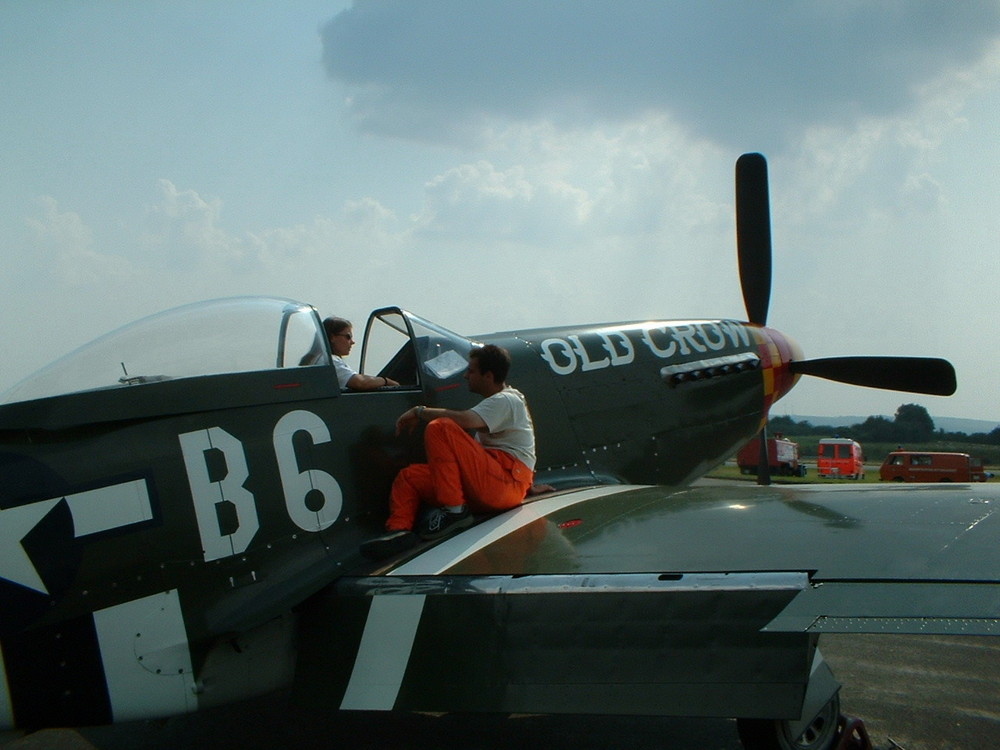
(753, 235)
(928, 375)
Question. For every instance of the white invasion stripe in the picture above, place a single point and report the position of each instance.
(384, 653)
(454, 550)
(6, 710)
(147, 664)
(110, 507)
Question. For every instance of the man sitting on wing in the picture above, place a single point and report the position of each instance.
(490, 472)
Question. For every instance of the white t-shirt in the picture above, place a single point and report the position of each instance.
(344, 372)
(509, 423)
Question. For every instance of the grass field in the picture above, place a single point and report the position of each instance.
(731, 471)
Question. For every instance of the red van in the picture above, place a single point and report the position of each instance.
(925, 466)
(840, 458)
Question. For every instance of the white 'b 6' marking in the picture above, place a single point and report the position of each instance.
(208, 492)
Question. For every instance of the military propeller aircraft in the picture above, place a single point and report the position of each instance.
(182, 503)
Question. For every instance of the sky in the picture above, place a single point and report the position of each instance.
(505, 165)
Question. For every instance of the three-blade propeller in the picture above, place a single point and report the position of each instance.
(753, 238)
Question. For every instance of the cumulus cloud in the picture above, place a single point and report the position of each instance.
(544, 186)
(632, 212)
(477, 200)
(63, 243)
(443, 70)
(58, 230)
(183, 228)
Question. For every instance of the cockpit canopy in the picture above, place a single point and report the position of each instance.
(247, 334)
(206, 338)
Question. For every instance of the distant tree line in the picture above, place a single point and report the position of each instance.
(911, 424)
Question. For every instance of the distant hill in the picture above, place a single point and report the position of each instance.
(948, 424)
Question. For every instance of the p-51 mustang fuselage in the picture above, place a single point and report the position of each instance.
(209, 505)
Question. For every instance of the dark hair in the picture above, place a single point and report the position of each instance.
(333, 326)
(494, 359)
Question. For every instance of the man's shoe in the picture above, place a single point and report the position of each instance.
(389, 544)
(440, 523)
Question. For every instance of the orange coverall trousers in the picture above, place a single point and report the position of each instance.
(459, 471)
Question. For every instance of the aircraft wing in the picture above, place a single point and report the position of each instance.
(704, 601)
(894, 558)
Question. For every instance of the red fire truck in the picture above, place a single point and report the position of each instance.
(782, 457)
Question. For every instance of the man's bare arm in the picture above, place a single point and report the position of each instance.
(466, 419)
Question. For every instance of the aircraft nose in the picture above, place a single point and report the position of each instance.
(782, 350)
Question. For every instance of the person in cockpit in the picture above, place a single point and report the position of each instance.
(340, 333)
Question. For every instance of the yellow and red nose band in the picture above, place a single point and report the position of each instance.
(776, 352)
